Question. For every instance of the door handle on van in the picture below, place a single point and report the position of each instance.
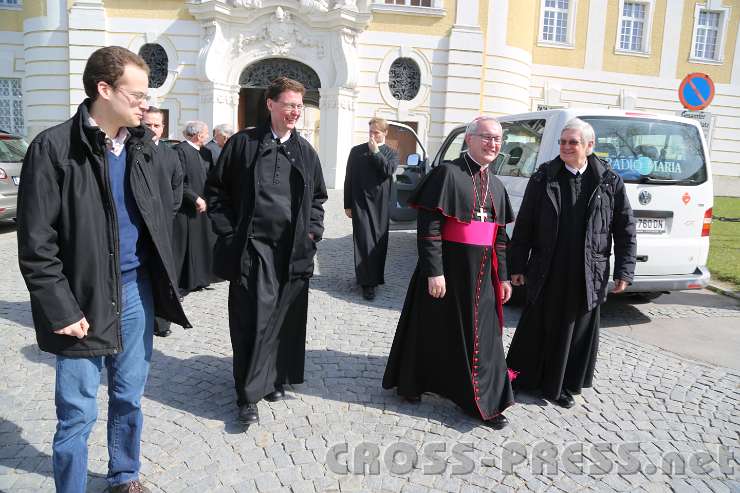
(641, 258)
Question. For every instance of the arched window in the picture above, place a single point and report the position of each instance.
(404, 79)
(155, 56)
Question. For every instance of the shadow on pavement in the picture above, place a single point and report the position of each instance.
(18, 312)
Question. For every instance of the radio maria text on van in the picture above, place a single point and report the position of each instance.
(623, 164)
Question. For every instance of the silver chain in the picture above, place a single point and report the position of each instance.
(475, 189)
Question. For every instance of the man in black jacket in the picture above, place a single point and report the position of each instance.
(573, 207)
(170, 182)
(265, 199)
(94, 251)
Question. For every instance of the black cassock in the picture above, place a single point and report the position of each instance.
(452, 346)
(367, 188)
(192, 236)
(556, 341)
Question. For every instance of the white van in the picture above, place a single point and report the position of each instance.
(664, 162)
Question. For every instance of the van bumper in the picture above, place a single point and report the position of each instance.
(642, 284)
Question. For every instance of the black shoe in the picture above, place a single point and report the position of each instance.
(162, 332)
(248, 414)
(131, 487)
(277, 395)
(497, 423)
(368, 292)
(565, 400)
(412, 399)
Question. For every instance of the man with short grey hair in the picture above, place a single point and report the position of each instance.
(193, 239)
(221, 134)
(573, 209)
(448, 339)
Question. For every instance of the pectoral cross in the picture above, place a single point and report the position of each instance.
(483, 215)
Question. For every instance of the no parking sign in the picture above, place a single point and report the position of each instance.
(696, 91)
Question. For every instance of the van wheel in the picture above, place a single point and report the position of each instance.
(648, 296)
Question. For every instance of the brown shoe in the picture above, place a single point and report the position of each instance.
(134, 486)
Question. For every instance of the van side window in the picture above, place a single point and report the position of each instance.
(519, 148)
(456, 147)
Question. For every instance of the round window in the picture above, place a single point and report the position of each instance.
(405, 79)
(155, 56)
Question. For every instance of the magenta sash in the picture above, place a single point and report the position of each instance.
(473, 233)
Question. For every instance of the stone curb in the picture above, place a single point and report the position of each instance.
(724, 291)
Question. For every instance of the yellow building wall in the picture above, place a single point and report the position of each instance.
(720, 74)
(415, 24)
(574, 57)
(521, 26)
(12, 20)
(146, 9)
(637, 64)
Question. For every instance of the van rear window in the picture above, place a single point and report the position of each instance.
(645, 150)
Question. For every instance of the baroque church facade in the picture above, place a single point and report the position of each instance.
(431, 64)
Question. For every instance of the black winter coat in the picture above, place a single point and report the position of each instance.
(68, 247)
(609, 218)
(231, 190)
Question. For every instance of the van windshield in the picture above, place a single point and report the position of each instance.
(645, 150)
(12, 149)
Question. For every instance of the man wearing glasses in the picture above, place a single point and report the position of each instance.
(265, 199)
(94, 251)
(574, 207)
(448, 339)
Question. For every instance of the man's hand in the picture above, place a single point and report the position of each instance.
(311, 236)
(518, 279)
(200, 205)
(619, 286)
(506, 290)
(373, 145)
(348, 213)
(77, 329)
(437, 286)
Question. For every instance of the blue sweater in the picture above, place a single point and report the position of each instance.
(132, 237)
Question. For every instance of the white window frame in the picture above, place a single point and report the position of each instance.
(5, 6)
(436, 10)
(714, 6)
(12, 98)
(646, 33)
(571, 25)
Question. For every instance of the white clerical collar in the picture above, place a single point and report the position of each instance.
(283, 139)
(575, 171)
(196, 147)
(483, 166)
(116, 144)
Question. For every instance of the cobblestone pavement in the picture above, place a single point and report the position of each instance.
(647, 405)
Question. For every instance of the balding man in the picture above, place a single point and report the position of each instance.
(193, 239)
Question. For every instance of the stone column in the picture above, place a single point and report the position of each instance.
(337, 106)
(46, 100)
(219, 104)
(87, 33)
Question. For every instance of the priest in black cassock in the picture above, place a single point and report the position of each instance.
(573, 209)
(192, 236)
(367, 189)
(265, 198)
(448, 339)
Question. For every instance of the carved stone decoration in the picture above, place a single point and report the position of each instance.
(319, 5)
(404, 79)
(247, 3)
(280, 36)
(260, 74)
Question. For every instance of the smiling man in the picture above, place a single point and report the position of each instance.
(572, 210)
(448, 339)
(98, 263)
(265, 199)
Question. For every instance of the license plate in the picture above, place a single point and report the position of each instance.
(17, 180)
(650, 225)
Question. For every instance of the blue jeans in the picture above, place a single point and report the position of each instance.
(77, 381)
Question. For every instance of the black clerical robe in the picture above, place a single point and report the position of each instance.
(367, 188)
(192, 236)
(452, 346)
(562, 241)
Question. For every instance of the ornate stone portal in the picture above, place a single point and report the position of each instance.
(319, 33)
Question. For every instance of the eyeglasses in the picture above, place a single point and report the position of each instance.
(138, 96)
(568, 142)
(291, 106)
(489, 139)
